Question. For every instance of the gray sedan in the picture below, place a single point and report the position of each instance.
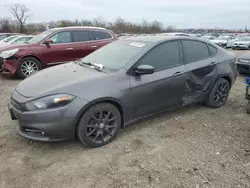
(91, 99)
(243, 63)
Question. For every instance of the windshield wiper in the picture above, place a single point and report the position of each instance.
(98, 67)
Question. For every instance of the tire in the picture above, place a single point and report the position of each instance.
(94, 131)
(248, 108)
(219, 94)
(28, 62)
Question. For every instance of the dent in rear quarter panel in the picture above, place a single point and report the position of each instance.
(227, 66)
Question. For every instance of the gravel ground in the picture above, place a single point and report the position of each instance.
(192, 147)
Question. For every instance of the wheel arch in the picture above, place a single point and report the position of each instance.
(227, 78)
(33, 56)
(111, 100)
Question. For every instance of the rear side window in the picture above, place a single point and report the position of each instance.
(100, 35)
(80, 36)
(213, 50)
(194, 51)
(163, 56)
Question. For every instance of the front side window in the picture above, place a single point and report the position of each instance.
(194, 51)
(80, 36)
(163, 56)
(61, 37)
(100, 35)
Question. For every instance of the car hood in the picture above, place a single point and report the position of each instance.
(218, 41)
(51, 80)
(13, 46)
(245, 56)
(242, 42)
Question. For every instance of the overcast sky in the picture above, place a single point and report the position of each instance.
(180, 13)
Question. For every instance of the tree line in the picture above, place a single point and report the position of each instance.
(20, 14)
(18, 23)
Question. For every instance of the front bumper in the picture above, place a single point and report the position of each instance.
(243, 67)
(48, 125)
(9, 67)
(240, 46)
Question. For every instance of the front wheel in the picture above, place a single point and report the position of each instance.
(219, 94)
(28, 66)
(99, 125)
(248, 108)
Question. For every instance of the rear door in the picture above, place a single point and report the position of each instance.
(81, 43)
(99, 39)
(200, 69)
(164, 88)
(61, 51)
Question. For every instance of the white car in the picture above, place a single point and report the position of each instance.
(224, 41)
(209, 38)
(176, 34)
(15, 40)
(242, 43)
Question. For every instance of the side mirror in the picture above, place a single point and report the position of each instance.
(48, 42)
(145, 69)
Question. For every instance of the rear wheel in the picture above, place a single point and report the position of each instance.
(28, 66)
(99, 125)
(219, 94)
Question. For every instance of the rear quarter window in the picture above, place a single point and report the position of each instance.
(212, 50)
(100, 35)
(194, 51)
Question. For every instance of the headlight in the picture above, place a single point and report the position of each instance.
(244, 60)
(8, 53)
(52, 101)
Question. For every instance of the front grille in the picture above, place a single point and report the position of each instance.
(16, 105)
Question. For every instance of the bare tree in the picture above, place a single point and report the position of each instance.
(5, 25)
(21, 14)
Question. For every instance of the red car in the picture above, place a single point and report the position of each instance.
(52, 47)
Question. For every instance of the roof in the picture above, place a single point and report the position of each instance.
(77, 27)
(155, 39)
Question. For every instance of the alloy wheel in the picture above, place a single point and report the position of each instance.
(101, 127)
(221, 94)
(29, 67)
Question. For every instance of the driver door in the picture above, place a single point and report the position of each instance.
(162, 90)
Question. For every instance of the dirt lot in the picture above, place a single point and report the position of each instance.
(194, 147)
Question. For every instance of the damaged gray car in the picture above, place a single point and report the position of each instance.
(91, 99)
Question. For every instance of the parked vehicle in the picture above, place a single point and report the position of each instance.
(176, 34)
(5, 35)
(224, 41)
(243, 63)
(7, 39)
(242, 43)
(212, 34)
(53, 47)
(209, 38)
(16, 40)
(129, 79)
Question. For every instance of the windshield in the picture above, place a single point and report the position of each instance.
(115, 55)
(244, 39)
(222, 38)
(39, 37)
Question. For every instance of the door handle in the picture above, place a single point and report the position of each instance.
(69, 48)
(94, 46)
(178, 73)
(212, 63)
